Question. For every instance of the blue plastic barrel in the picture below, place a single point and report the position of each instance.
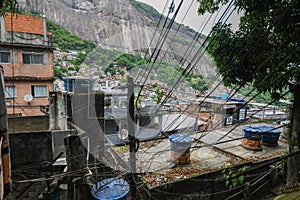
(268, 134)
(180, 143)
(252, 133)
(271, 136)
(111, 189)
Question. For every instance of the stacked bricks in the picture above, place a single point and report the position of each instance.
(181, 158)
(180, 148)
(252, 144)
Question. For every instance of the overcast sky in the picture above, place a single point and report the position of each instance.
(192, 19)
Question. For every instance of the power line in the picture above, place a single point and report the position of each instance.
(244, 55)
(153, 36)
(188, 69)
(260, 92)
(159, 46)
(157, 49)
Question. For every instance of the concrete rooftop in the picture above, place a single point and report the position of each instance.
(153, 157)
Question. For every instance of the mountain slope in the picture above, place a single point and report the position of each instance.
(117, 25)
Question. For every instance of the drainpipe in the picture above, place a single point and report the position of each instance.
(2, 24)
(45, 29)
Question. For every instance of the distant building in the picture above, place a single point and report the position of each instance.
(217, 112)
(267, 112)
(26, 54)
(79, 84)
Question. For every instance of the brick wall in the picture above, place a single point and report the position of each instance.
(32, 108)
(29, 70)
(23, 23)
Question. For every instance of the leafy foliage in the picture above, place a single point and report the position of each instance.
(146, 8)
(210, 5)
(195, 80)
(101, 57)
(124, 60)
(234, 177)
(263, 51)
(159, 93)
(130, 61)
(153, 16)
(58, 72)
(8, 6)
(263, 97)
(110, 69)
(66, 41)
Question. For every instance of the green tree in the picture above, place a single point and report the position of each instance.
(124, 62)
(264, 51)
(122, 72)
(159, 93)
(71, 68)
(8, 6)
(58, 73)
(65, 41)
(63, 70)
(79, 59)
(77, 68)
(110, 69)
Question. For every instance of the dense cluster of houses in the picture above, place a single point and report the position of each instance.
(27, 56)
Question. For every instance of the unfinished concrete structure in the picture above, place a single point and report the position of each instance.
(217, 113)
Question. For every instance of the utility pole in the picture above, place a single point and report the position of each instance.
(131, 135)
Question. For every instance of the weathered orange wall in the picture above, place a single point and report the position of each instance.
(24, 24)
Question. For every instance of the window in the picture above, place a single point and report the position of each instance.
(5, 56)
(36, 58)
(39, 91)
(10, 92)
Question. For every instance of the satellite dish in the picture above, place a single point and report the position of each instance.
(28, 98)
(143, 105)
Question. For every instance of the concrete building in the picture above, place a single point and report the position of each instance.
(217, 112)
(78, 84)
(26, 54)
(267, 112)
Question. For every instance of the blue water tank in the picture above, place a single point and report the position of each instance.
(271, 136)
(268, 134)
(180, 143)
(252, 132)
(111, 189)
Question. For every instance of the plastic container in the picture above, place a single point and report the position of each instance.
(252, 138)
(271, 136)
(111, 189)
(180, 143)
(252, 132)
(268, 135)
